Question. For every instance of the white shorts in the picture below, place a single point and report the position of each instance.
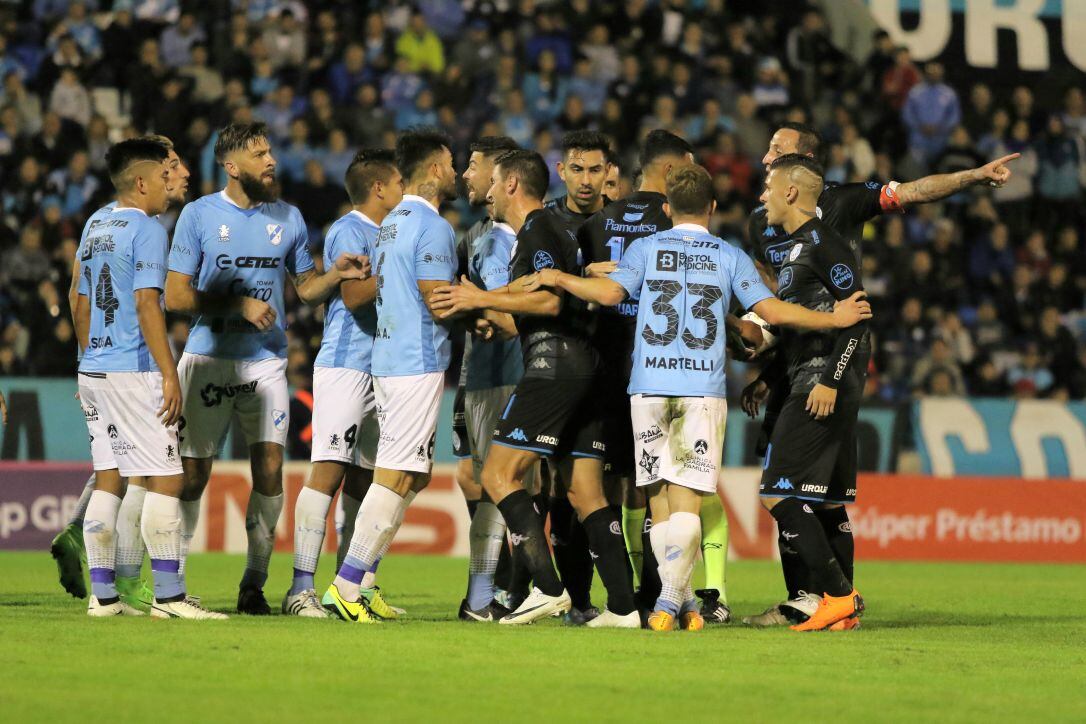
(216, 388)
(679, 440)
(407, 408)
(344, 417)
(125, 431)
(481, 411)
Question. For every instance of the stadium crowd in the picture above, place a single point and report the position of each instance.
(981, 294)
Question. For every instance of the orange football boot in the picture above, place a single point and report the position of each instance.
(661, 621)
(691, 621)
(832, 609)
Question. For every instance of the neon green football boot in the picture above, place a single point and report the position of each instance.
(352, 611)
(68, 551)
(378, 605)
(135, 592)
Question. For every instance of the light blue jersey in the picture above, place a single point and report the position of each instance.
(239, 252)
(414, 244)
(684, 279)
(497, 363)
(348, 337)
(122, 250)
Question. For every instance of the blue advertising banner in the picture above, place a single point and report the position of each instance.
(1017, 438)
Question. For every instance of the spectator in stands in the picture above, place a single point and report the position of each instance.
(285, 40)
(1060, 159)
(421, 47)
(1029, 377)
(207, 82)
(938, 370)
(899, 80)
(931, 112)
(991, 261)
(177, 41)
(545, 90)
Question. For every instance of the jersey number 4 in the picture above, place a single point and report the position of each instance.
(702, 309)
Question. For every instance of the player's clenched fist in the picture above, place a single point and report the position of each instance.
(260, 314)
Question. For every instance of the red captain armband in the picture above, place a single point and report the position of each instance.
(889, 200)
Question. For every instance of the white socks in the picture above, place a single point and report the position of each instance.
(681, 544)
(130, 548)
(378, 518)
(261, 515)
(190, 517)
(81, 505)
(310, 521)
(161, 529)
(346, 513)
(485, 538)
(370, 579)
(100, 539)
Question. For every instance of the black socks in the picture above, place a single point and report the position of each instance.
(802, 530)
(838, 530)
(526, 533)
(605, 537)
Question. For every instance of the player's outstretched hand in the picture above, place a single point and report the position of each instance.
(258, 313)
(996, 173)
(847, 312)
(455, 299)
(821, 401)
(353, 266)
(753, 396)
(540, 279)
(600, 269)
(170, 412)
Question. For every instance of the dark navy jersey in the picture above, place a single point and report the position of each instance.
(845, 208)
(552, 346)
(820, 269)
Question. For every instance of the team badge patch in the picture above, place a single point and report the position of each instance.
(224, 233)
(279, 419)
(795, 252)
(841, 276)
(542, 260)
(275, 233)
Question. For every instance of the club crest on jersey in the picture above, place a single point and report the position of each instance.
(794, 254)
(841, 276)
(275, 233)
(224, 233)
(542, 260)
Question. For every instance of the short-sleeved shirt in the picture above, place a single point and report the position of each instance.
(605, 237)
(555, 346)
(348, 336)
(240, 252)
(684, 279)
(845, 208)
(414, 244)
(122, 250)
(820, 269)
(496, 363)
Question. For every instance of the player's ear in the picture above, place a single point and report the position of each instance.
(667, 209)
(712, 207)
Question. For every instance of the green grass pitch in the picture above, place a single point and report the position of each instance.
(946, 642)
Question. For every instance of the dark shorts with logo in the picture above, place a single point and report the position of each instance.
(813, 459)
(553, 417)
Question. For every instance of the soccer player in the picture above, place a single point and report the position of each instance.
(67, 548)
(845, 208)
(811, 459)
(416, 252)
(128, 383)
(491, 371)
(345, 426)
(604, 238)
(552, 411)
(584, 168)
(232, 252)
(677, 388)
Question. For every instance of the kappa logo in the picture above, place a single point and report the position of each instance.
(701, 447)
(784, 484)
(542, 260)
(649, 463)
(841, 276)
(279, 419)
(518, 435)
(275, 233)
(540, 364)
(224, 233)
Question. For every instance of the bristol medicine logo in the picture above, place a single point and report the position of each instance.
(841, 276)
(667, 260)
